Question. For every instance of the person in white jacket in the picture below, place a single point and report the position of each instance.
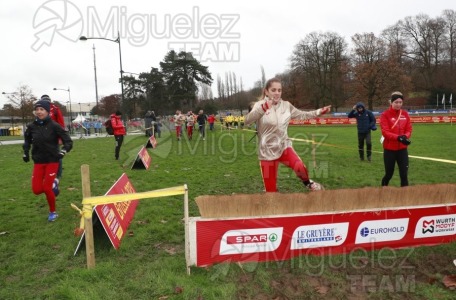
(272, 116)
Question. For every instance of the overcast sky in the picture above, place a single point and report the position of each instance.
(41, 47)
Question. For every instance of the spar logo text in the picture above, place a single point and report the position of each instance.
(251, 240)
(241, 239)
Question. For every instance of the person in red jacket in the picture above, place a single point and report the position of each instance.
(119, 131)
(211, 120)
(396, 133)
(56, 114)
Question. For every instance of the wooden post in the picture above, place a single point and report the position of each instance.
(187, 234)
(87, 211)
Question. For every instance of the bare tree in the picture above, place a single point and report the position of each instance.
(22, 103)
(320, 58)
(205, 92)
(220, 88)
(450, 44)
(290, 86)
(263, 77)
(109, 104)
(437, 27)
(450, 27)
(232, 87)
(375, 73)
(227, 86)
(235, 85)
(396, 43)
(424, 42)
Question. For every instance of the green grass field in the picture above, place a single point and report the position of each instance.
(36, 257)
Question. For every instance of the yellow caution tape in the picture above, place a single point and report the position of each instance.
(179, 190)
(81, 214)
(411, 156)
(89, 202)
(342, 147)
(434, 159)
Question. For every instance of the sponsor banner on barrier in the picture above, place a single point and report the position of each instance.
(352, 121)
(142, 160)
(151, 142)
(251, 240)
(278, 238)
(321, 235)
(324, 121)
(115, 217)
(440, 225)
(381, 230)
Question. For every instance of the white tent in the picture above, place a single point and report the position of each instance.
(79, 119)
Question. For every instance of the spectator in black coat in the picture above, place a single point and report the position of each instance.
(365, 121)
(150, 123)
(202, 119)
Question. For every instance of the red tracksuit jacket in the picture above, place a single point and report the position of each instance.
(402, 127)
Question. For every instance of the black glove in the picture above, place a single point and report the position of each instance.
(404, 140)
(26, 157)
(62, 153)
(373, 128)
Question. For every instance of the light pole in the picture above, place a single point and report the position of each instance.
(95, 70)
(83, 38)
(69, 99)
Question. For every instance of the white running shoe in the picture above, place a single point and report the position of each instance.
(315, 186)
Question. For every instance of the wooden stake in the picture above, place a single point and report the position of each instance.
(87, 210)
(187, 234)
